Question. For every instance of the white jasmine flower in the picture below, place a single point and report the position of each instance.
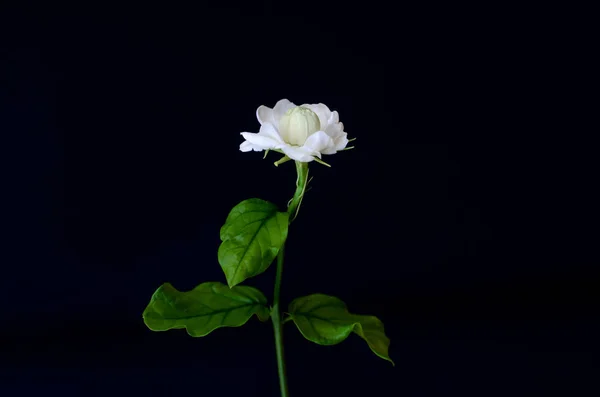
(300, 132)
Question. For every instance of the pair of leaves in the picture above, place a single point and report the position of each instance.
(205, 308)
(325, 320)
(320, 318)
(252, 236)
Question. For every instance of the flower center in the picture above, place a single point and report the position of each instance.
(297, 124)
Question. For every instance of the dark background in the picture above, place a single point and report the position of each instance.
(462, 219)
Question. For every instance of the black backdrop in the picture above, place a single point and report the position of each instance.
(466, 235)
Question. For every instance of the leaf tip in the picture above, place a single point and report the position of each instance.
(231, 283)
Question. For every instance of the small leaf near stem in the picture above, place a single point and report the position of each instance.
(301, 182)
(282, 160)
(318, 160)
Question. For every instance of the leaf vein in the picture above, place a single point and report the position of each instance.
(239, 264)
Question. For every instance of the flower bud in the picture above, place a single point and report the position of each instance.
(297, 124)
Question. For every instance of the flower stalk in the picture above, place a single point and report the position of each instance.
(302, 171)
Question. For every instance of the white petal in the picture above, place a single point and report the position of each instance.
(279, 110)
(329, 151)
(334, 118)
(247, 146)
(264, 115)
(322, 111)
(267, 138)
(340, 142)
(319, 142)
(270, 131)
(334, 130)
(298, 153)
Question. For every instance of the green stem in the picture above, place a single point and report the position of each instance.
(302, 170)
(278, 326)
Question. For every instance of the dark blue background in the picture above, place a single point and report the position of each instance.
(470, 237)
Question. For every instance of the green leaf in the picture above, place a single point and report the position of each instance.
(205, 308)
(325, 320)
(252, 236)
